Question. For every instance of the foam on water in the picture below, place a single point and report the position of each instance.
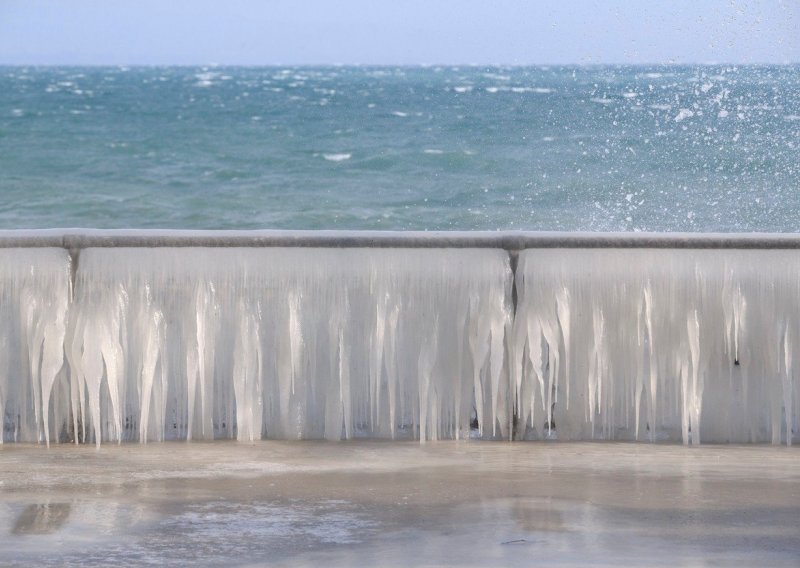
(289, 343)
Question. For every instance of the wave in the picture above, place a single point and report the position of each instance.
(337, 157)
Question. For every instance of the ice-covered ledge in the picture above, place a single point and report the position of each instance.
(517, 339)
(76, 239)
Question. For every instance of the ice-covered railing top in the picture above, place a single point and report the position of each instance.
(148, 335)
(76, 239)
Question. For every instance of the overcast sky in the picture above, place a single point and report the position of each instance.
(252, 32)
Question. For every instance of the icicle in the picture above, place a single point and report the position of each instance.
(151, 344)
(247, 368)
(52, 360)
(91, 364)
(653, 367)
(4, 386)
(479, 347)
(786, 385)
(427, 359)
(391, 367)
(536, 337)
(496, 357)
(376, 361)
(563, 311)
(596, 368)
(295, 337)
(694, 396)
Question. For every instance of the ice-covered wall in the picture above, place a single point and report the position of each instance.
(685, 345)
(288, 343)
(247, 343)
(34, 300)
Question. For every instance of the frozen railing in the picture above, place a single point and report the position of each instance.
(148, 335)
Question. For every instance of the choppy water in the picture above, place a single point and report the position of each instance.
(600, 148)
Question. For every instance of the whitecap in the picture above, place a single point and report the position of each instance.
(432, 151)
(497, 77)
(537, 90)
(602, 101)
(400, 114)
(464, 89)
(547, 139)
(492, 89)
(337, 157)
(16, 112)
(205, 79)
(630, 95)
(683, 114)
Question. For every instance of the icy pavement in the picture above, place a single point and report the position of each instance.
(399, 504)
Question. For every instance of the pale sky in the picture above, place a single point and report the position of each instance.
(398, 32)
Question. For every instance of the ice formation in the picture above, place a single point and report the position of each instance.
(686, 345)
(150, 344)
(34, 299)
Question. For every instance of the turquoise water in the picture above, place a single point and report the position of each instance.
(560, 148)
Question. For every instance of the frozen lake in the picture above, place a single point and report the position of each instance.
(400, 504)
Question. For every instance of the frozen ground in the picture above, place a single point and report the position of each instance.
(400, 504)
